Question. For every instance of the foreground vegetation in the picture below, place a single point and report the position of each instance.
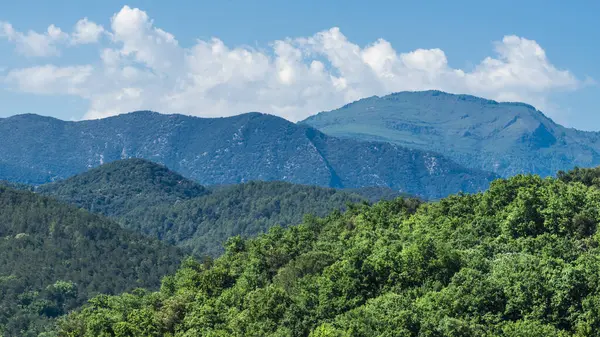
(522, 259)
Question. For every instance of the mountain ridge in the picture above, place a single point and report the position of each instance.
(434, 92)
(116, 187)
(503, 137)
(251, 146)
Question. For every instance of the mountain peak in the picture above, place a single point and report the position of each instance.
(127, 172)
(456, 97)
(32, 117)
(501, 137)
(144, 113)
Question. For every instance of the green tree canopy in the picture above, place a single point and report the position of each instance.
(521, 259)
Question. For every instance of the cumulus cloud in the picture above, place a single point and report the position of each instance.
(146, 44)
(33, 43)
(145, 67)
(523, 67)
(86, 32)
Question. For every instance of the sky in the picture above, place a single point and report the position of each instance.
(79, 60)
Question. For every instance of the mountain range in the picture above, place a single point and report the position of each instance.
(430, 144)
(505, 138)
(279, 222)
(231, 150)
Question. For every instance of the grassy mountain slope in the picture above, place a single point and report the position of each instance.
(506, 138)
(521, 259)
(54, 256)
(229, 150)
(147, 197)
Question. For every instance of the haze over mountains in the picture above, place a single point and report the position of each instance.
(251, 146)
(505, 138)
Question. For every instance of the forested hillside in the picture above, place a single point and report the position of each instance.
(203, 224)
(522, 259)
(119, 188)
(53, 257)
(19, 173)
(148, 198)
(586, 176)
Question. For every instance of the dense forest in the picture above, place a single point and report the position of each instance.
(203, 224)
(119, 187)
(586, 176)
(148, 198)
(521, 259)
(53, 257)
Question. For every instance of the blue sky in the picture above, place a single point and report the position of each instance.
(294, 58)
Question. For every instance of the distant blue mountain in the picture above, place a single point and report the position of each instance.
(505, 138)
(252, 146)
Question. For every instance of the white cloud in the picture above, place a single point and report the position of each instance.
(145, 43)
(34, 44)
(86, 32)
(522, 66)
(145, 67)
(7, 30)
(50, 79)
